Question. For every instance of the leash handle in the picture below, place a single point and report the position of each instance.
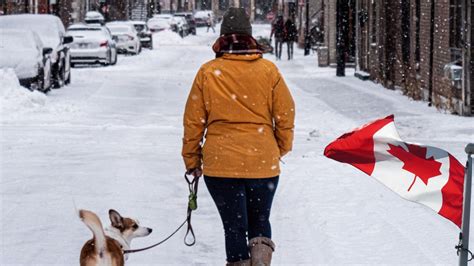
(189, 231)
(192, 206)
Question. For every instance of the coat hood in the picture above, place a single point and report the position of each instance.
(242, 57)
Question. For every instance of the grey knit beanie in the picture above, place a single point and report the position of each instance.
(235, 20)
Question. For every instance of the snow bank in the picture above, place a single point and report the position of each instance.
(14, 97)
(168, 37)
(17, 101)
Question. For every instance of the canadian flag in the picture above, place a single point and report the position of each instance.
(419, 173)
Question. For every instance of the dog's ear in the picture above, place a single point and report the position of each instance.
(116, 219)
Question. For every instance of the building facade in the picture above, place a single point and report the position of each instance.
(415, 46)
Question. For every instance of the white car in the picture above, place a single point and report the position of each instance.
(92, 45)
(23, 51)
(126, 37)
(51, 31)
(181, 26)
(163, 16)
(144, 33)
(158, 24)
(94, 18)
(202, 16)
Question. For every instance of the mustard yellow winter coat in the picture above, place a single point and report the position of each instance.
(241, 108)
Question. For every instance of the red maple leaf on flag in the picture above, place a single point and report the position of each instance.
(415, 161)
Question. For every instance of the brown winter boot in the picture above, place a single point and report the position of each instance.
(261, 249)
(239, 263)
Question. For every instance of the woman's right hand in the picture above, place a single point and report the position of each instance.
(196, 172)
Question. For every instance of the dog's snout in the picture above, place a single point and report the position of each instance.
(150, 230)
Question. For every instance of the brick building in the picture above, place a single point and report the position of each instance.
(411, 45)
(24, 6)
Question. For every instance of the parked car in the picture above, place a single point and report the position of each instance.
(201, 17)
(158, 24)
(163, 16)
(23, 51)
(126, 37)
(144, 33)
(180, 25)
(51, 31)
(190, 19)
(94, 18)
(92, 44)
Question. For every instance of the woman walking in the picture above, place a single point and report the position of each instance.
(291, 33)
(240, 104)
(278, 29)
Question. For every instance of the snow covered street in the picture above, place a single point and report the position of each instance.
(112, 140)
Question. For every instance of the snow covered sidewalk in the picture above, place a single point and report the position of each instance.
(112, 139)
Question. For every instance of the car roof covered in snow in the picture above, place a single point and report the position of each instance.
(203, 13)
(82, 26)
(137, 22)
(118, 27)
(29, 19)
(163, 16)
(17, 39)
(48, 27)
(94, 15)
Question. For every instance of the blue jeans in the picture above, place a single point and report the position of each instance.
(244, 206)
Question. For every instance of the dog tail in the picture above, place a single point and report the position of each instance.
(94, 224)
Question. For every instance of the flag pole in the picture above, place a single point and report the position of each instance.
(466, 213)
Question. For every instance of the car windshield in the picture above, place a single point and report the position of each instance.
(118, 29)
(84, 29)
(93, 15)
(139, 27)
(158, 22)
(16, 40)
(167, 17)
(86, 33)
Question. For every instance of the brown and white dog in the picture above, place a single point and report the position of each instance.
(107, 246)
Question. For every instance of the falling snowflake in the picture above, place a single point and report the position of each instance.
(217, 72)
(234, 97)
(271, 186)
(260, 130)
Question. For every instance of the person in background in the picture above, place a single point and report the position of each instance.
(210, 23)
(238, 123)
(291, 33)
(278, 29)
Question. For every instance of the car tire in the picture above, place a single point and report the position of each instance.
(115, 59)
(41, 82)
(68, 79)
(108, 60)
(50, 81)
(59, 79)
